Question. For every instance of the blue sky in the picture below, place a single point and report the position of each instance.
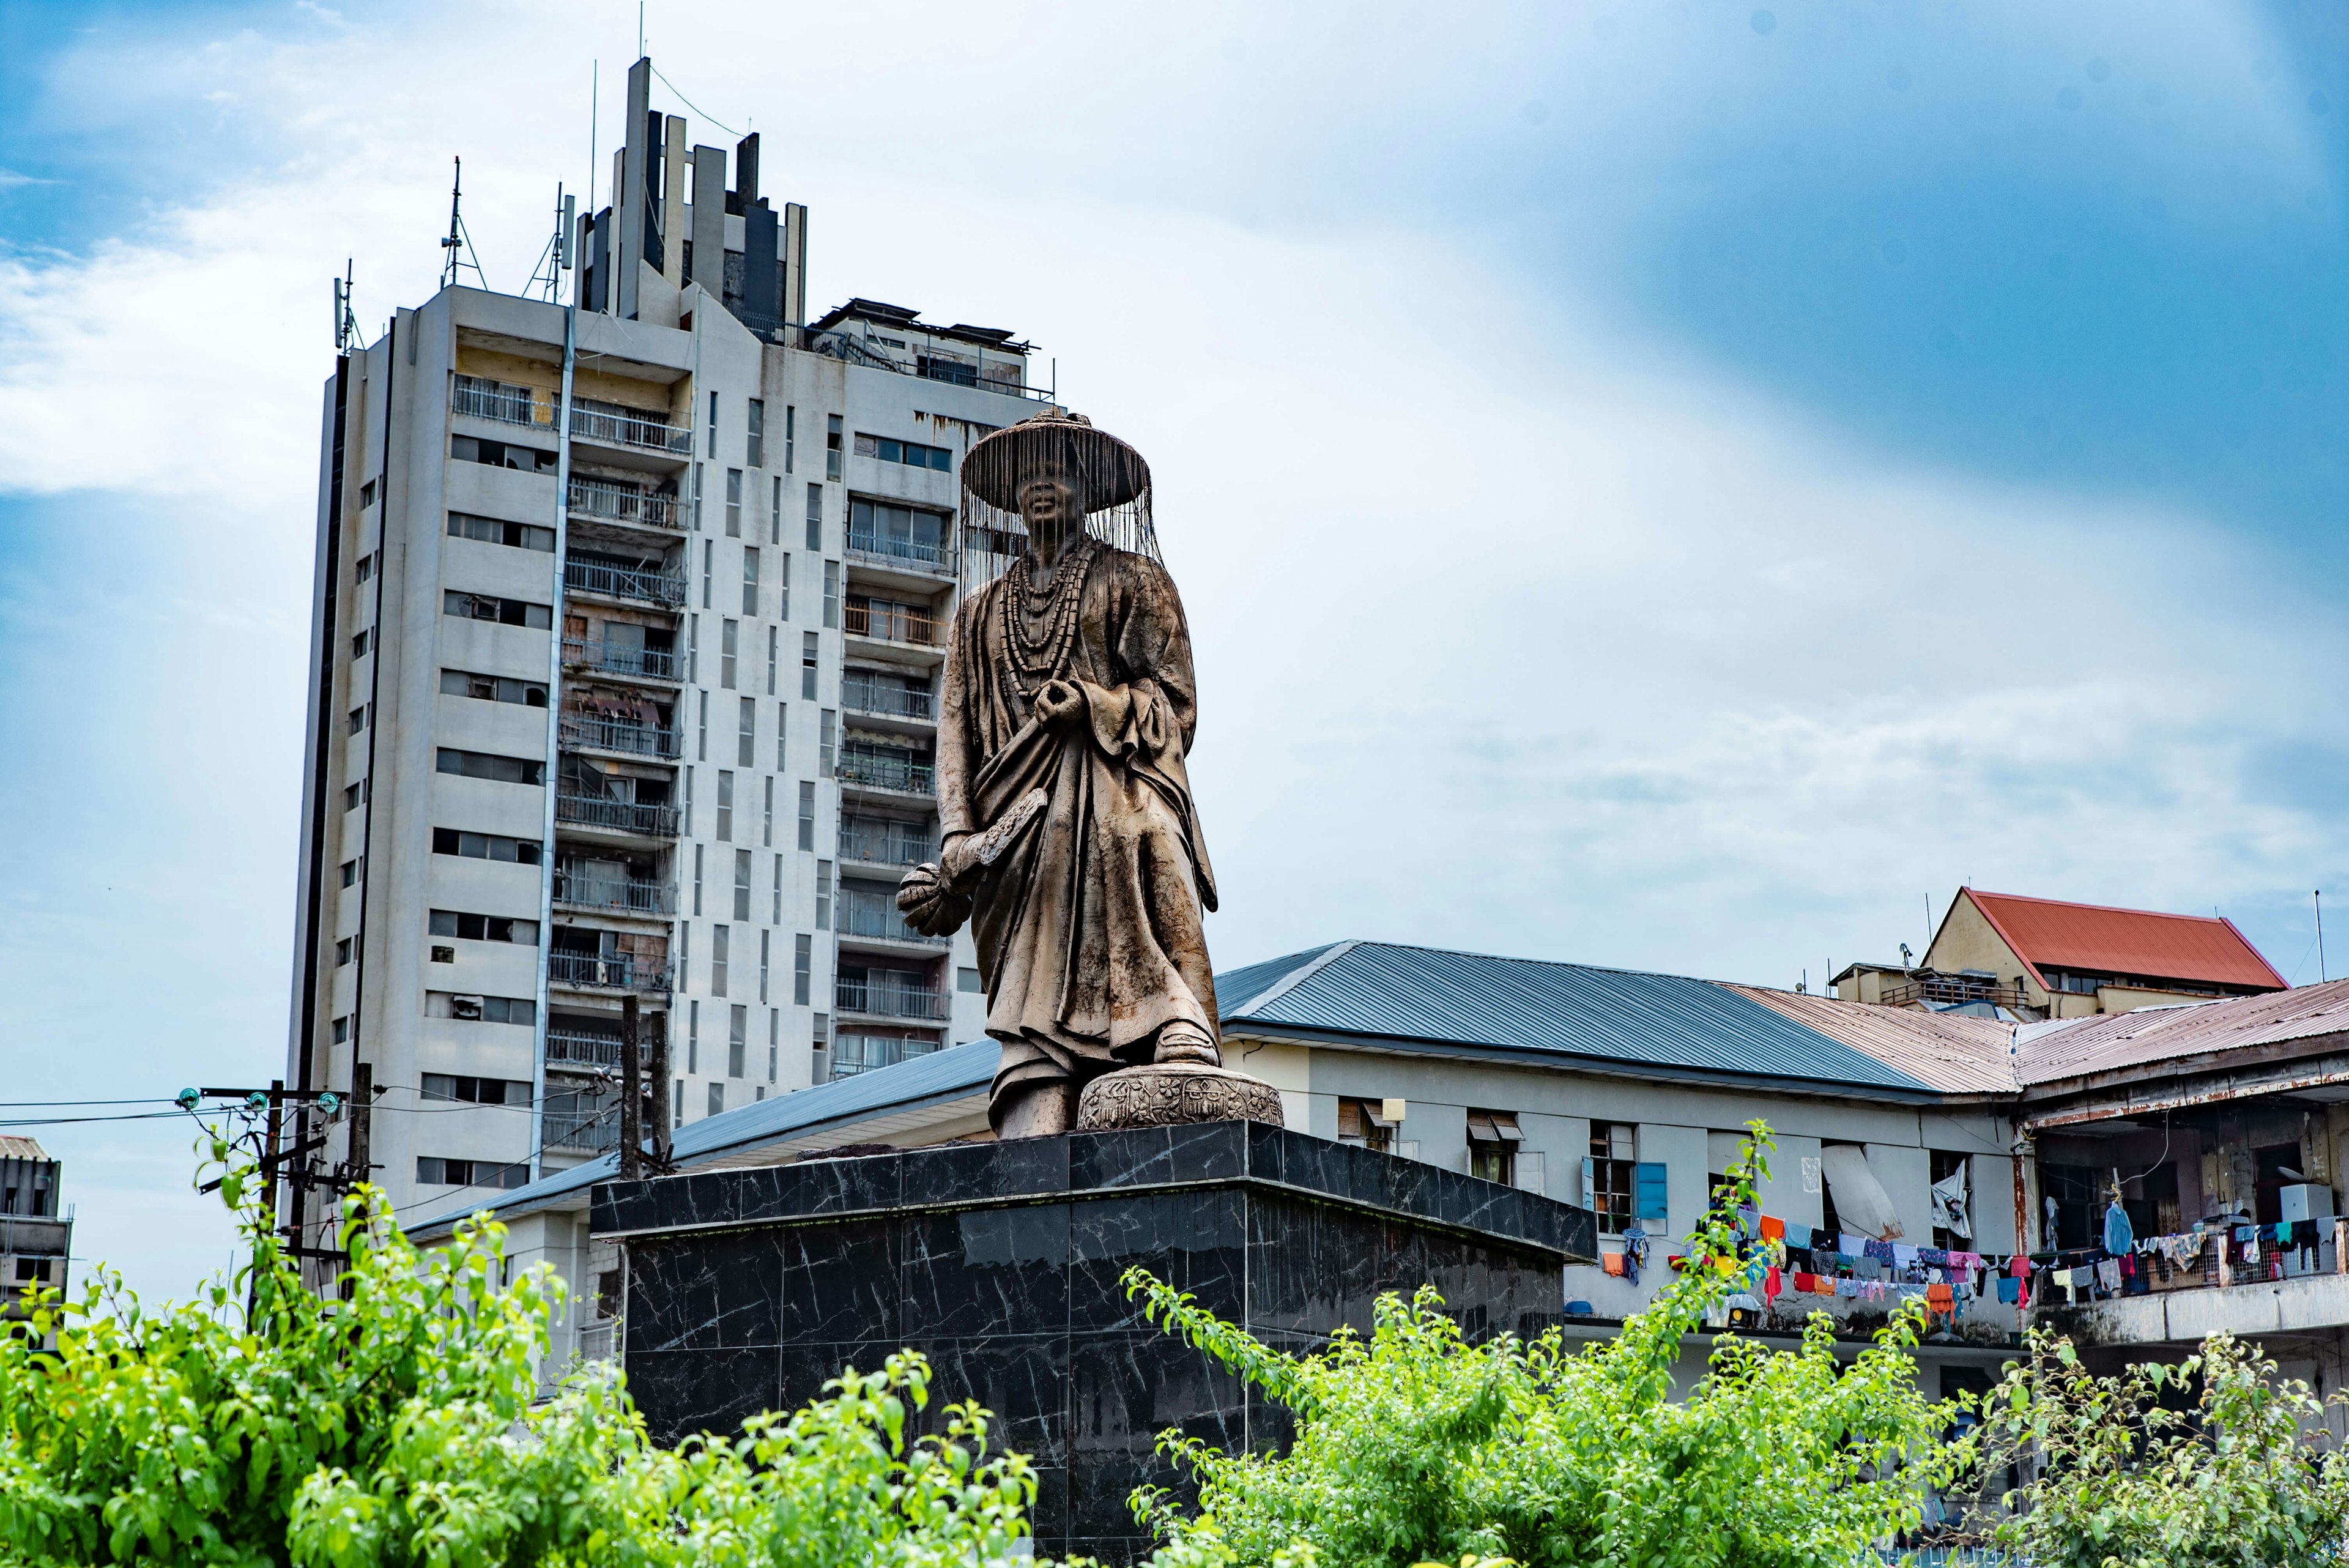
(1677, 485)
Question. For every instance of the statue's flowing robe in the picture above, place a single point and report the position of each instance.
(1087, 928)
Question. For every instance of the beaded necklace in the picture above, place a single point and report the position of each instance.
(1034, 660)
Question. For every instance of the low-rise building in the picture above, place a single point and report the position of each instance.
(36, 1231)
(2040, 959)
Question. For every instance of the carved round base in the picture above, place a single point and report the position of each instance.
(1175, 1094)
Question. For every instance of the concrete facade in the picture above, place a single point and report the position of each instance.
(634, 695)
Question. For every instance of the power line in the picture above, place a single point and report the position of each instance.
(691, 105)
(69, 1121)
(21, 1104)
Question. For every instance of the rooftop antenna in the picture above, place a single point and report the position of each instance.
(347, 324)
(2319, 896)
(457, 249)
(546, 280)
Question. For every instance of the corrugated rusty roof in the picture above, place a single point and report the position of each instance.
(1570, 1012)
(14, 1148)
(1956, 1054)
(2095, 939)
(2100, 1044)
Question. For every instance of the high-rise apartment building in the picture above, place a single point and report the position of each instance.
(628, 618)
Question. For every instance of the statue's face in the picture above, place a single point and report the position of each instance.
(1052, 503)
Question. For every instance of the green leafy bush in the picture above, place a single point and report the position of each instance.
(396, 1426)
(1414, 1444)
(2214, 1460)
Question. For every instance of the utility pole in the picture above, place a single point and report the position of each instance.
(661, 1162)
(632, 1111)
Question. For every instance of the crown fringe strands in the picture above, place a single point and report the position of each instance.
(1113, 476)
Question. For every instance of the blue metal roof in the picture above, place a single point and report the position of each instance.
(1381, 991)
(944, 1074)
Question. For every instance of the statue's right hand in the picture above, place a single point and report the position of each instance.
(929, 904)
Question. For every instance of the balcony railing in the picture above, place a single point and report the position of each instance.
(1949, 988)
(617, 427)
(507, 405)
(619, 735)
(649, 584)
(582, 1049)
(598, 1131)
(608, 972)
(888, 699)
(896, 623)
(875, 546)
(886, 772)
(618, 816)
(885, 843)
(607, 659)
(889, 1000)
(858, 349)
(877, 916)
(623, 504)
(628, 896)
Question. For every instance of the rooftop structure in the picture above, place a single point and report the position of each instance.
(35, 1233)
(2041, 959)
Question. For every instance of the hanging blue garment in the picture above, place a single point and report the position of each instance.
(2119, 1234)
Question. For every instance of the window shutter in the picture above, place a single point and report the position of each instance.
(1529, 1173)
(1648, 1185)
(1589, 1183)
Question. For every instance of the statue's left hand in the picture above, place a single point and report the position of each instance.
(1060, 702)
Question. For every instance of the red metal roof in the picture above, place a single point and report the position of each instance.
(2095, 940)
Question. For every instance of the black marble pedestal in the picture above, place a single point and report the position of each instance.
(746, 1289)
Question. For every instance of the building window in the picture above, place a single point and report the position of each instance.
(343, 1030)
(359, 721)
(832, 593)
(476, 1091)
(790, 435)
(774, 1040)
(343, 952)
(778, 916)
(832, 453)
(754, 426)
(1366, 1123)
(1493, 1139)
(484, 765)
(485, 927)
(782, 728)
(824, 895)
(1610, 1176)
(807, 813)
(729, 644)
(816, 518)
(827, 725)
(725, 806)
(433, 1170)
(743, 884)
(519, 1009)
(713, 425)
(692, 650)
(365, 569)
(783, 588)
(678, 1118)
(802, 968)
(359, 644)
(733, 501)
(716, 1099)
(775, 514)
(708, 563)
(492, 531)
(912, 453)
(501, 454)
(966, 981)
(493, 687)
(764, 945)
(485, 847)
(808, 646)
(350, 872)
(503, 611)
(701, 734)
(774, 654)
(746, 734)
(693, 1037)
(737, 1040)
(721, 942)
(698, 850)
(750, 580)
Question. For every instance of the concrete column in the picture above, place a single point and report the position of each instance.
(672, 200)
(709, 220)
